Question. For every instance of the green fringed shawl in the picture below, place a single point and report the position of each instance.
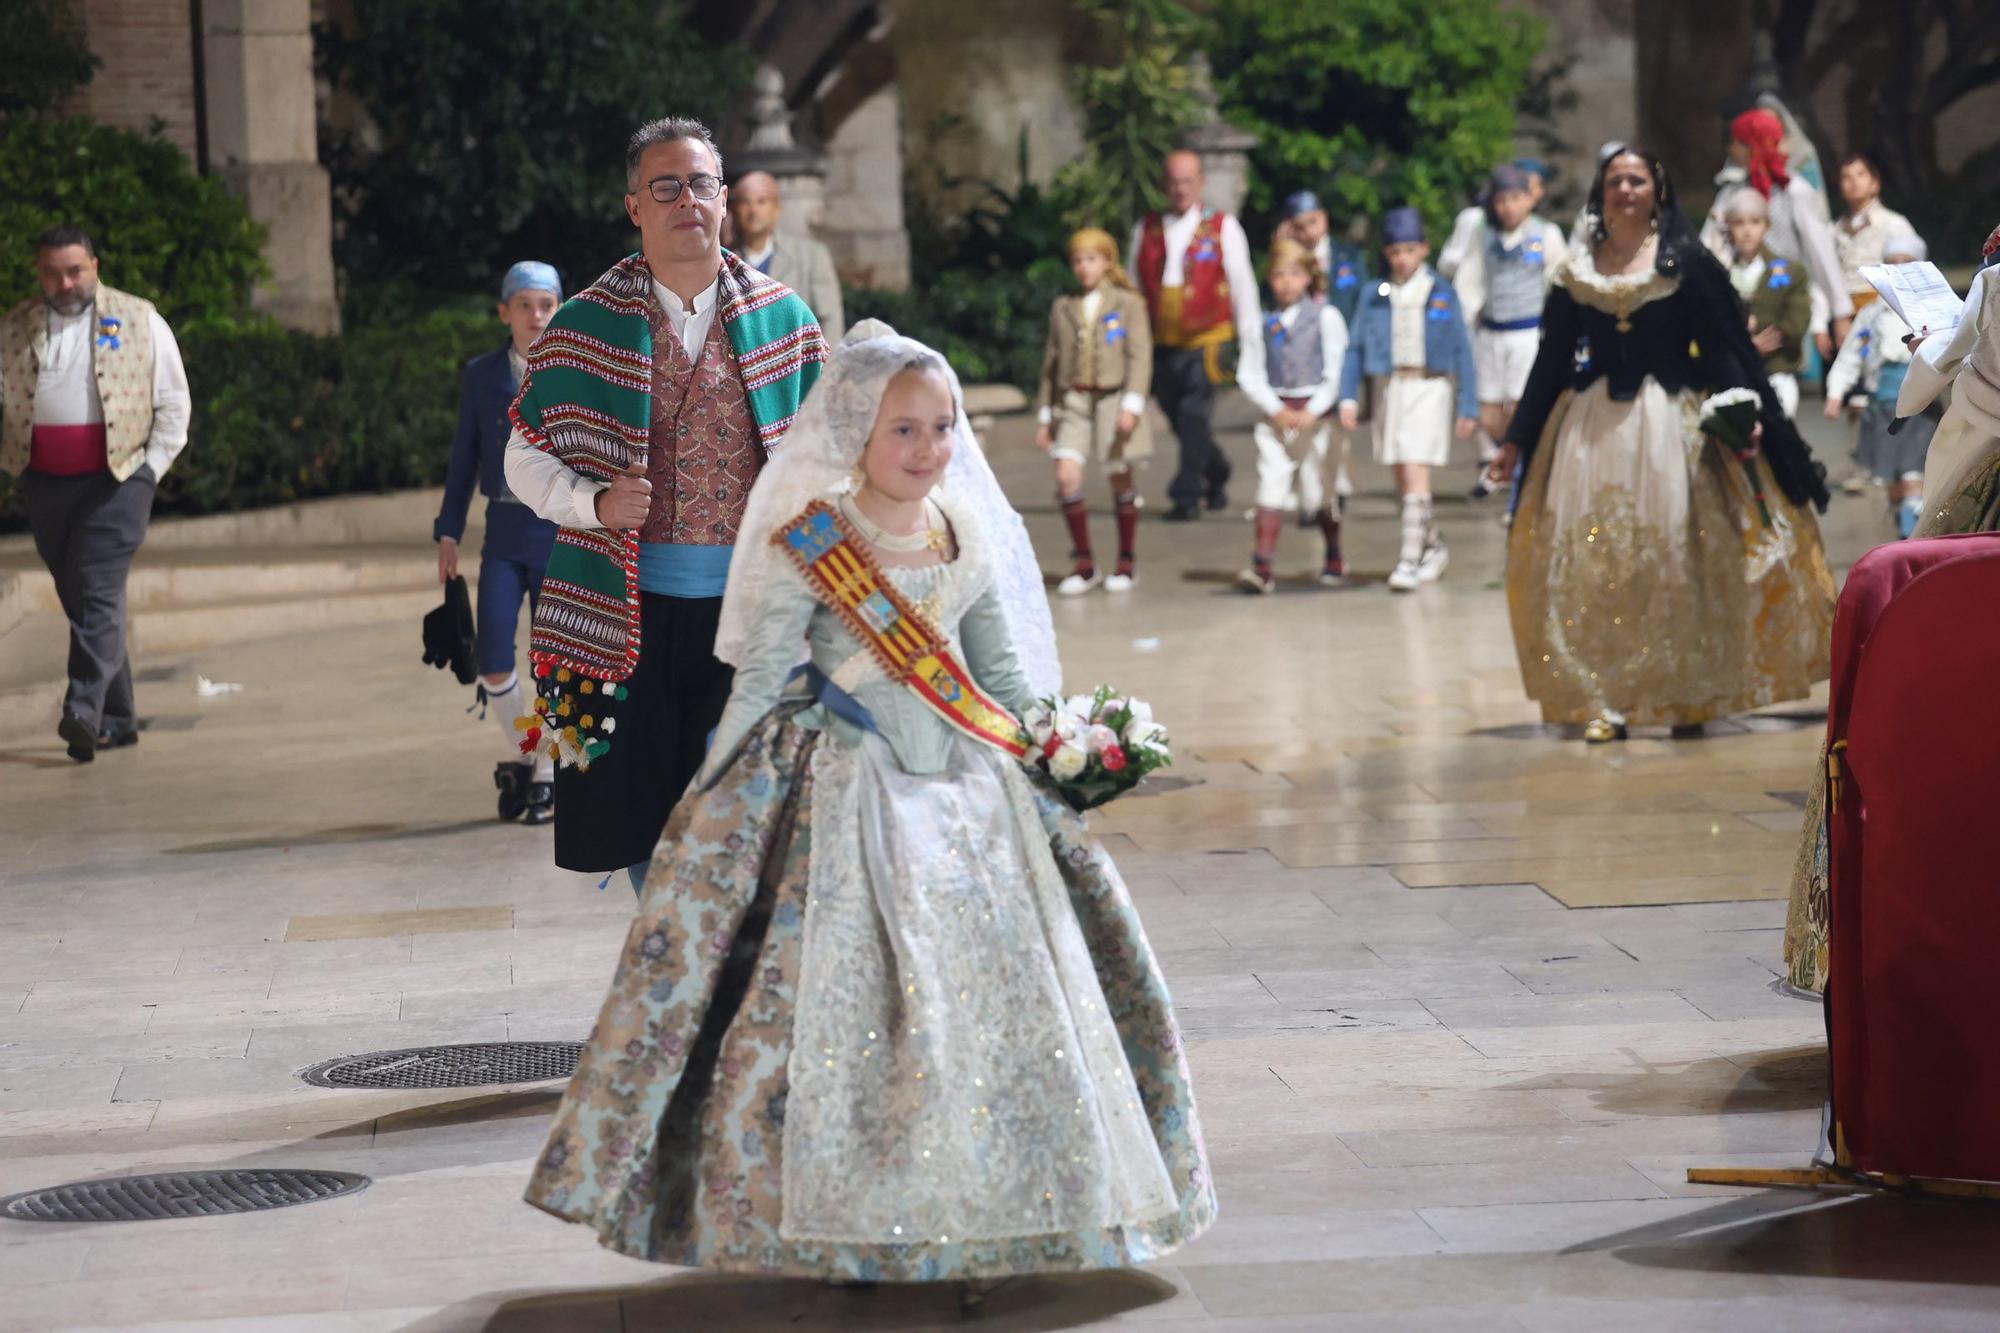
(587, 399)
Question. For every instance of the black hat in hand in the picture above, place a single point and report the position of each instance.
(448, 638)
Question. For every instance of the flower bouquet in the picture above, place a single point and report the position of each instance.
(1093, 747)
(1731, 417)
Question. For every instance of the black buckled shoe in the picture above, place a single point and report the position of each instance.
(541, 803)
(512, 780)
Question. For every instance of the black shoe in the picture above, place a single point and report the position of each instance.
(1182, 513)
(117, 740)
(82, 740)
(541, 803)
(512, 780)
(1218, 497)
(1689, 731)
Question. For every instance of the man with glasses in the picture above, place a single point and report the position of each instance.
(638, 432)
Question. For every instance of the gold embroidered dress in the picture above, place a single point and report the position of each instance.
(1643, 582)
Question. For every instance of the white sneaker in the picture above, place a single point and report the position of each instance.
(1403, 578)
(1430, 567)
(1120, 582)
(1253, 581)
(1076, 585)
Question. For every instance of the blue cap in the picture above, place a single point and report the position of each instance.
(1508, 179)
(1534, 166)
(530, 275)
(1305, 201)
(1400, 225)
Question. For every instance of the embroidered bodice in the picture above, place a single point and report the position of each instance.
(958, 597)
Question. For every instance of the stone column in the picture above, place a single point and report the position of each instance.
(800, 172)
(1224, 149)
(263, 143)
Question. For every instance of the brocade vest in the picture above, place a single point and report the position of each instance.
(703, 452)
(1516, 279)
(1294, 356)
(1197, 312)
(121, 359)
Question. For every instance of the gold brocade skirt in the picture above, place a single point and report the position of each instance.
(1643, 578)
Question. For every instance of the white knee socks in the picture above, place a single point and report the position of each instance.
(508, 702)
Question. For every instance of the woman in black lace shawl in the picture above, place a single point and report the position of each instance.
(1646, 583)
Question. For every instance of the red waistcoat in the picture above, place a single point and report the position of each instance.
(703, 453)
(1204, 286)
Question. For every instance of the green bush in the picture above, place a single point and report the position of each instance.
(162, 232)
(1373, 103)
(476, 135)
(281, 416)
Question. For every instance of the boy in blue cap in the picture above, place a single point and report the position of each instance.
(1344, 265)
(517, 544)
(1409, 341)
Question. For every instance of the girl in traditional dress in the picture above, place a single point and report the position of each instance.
(886, 1012)
(1645, 580)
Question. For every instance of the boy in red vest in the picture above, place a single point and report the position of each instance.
(1193, 266)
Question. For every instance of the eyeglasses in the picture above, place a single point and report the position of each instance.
(666, 189)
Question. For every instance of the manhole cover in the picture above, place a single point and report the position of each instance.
(178, 1194)
(466, 1066)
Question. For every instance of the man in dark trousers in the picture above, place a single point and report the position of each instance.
(95, 410)
(1193, 265)
(639, 434)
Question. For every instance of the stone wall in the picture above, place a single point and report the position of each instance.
(861, 219)
(1598, 40)
(147, 47)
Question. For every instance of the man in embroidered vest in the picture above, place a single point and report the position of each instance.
(646, 411)
(800, 262)
(95, 408)
(1193, 265)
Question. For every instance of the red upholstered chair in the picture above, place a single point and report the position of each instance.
(1914, 872)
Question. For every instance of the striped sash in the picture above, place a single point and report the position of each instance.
(845, 578)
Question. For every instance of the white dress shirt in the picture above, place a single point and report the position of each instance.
(1860, 236)
(549, 486)
(1468, 274)
(66, 388)
(1251, 376)
(1407, 301)
(1179, 232)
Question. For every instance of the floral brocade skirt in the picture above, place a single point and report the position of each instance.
(883, 1027)
(1643, 577)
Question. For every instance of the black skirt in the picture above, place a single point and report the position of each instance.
(611, 815)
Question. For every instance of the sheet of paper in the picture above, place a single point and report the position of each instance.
(1917, 292)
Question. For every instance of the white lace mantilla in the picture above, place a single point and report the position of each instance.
(954, 1074)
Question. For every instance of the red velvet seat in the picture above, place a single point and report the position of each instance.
(1914, 847)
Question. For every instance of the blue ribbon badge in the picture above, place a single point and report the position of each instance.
(107, 332)
(1344, 277)
(1205, 249)
(1532, 253)
(1274, 329)
(1440, 310)
(1114, 328)
(1781, 274)
(1583, 352)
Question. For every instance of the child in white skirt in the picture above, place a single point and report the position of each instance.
(1409, 344)
(1293, 377)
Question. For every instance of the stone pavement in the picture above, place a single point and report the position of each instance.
(1463, 998)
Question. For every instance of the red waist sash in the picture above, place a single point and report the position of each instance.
(68, 451)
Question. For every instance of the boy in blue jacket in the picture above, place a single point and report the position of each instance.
(517, 545)
(1409, 342)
